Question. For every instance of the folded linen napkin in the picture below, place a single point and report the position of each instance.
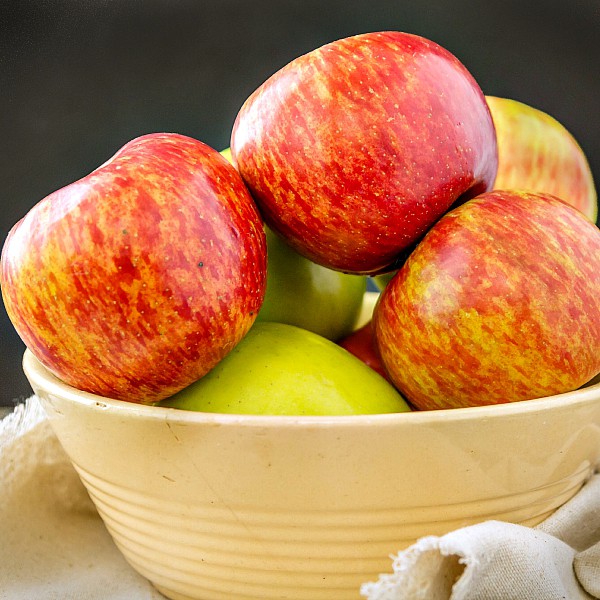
(53, 545)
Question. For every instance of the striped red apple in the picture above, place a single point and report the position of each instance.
(499, 302)
(355, 149)
(537, 153)
(137, 279)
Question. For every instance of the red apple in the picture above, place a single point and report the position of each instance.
(499, 302)
(355, 149)
(136, 280)
(537, 153)
(362, 344)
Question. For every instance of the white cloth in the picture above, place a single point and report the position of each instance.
(53, 545)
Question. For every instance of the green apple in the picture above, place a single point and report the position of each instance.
(227, 154)
(302, 293)
(279, 369)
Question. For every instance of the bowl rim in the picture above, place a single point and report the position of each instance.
(42, 377)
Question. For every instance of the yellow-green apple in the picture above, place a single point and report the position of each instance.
(537, 153)
(137, 279)
(226, 152)
(280, 369)
(354, 150)
(499, 302)
(362, 344)
(303, 293)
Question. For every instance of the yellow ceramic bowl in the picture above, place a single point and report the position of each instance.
(215, 507)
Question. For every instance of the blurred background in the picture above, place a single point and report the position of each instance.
(79, 78)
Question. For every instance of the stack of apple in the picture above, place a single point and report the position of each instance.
(376, 154)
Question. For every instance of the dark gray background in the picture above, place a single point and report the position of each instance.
(80, 78)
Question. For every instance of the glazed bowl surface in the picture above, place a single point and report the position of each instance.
(215, 506)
